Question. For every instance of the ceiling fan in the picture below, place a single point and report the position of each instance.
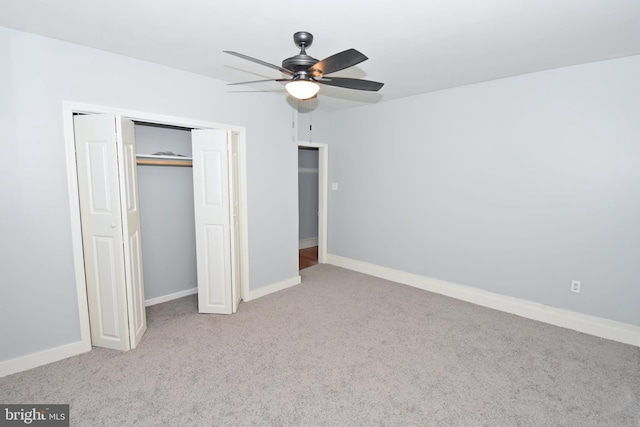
(306, 72)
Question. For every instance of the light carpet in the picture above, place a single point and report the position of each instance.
(343, 349)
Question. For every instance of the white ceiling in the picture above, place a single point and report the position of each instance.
(414, 46)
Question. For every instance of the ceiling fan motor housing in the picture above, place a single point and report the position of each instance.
(298, 63)
(302, 61)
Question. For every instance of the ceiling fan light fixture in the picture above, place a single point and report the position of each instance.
(302, 89)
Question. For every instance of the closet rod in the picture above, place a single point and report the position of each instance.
(164, 162)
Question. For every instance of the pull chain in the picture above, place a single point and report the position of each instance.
(310, 122)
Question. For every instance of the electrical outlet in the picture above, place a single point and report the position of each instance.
(575, 286)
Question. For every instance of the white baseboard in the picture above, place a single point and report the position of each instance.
(308, 243)
(40, 358)
(592, 325)
(275, 287)
(165, 298)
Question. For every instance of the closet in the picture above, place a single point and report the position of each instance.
(167, 218)
(151, 226)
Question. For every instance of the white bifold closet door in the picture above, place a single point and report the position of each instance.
(109, 210)
(107, 184)
(211, 195)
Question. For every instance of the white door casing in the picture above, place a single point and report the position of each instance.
(236, 256)
(212, 220)
(323, 176)
(102, 204)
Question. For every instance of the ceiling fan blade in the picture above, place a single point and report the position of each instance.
(348, 83)
(337, 62)
(257, 61)
(258, 81)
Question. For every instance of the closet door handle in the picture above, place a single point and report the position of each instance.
(113, 225)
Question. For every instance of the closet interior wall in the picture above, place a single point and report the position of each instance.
(166, 213)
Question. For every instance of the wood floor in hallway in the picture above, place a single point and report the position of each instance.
(307, 257)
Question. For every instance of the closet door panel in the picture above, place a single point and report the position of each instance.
(105, 295)
(212, 211)
(137, 311)
(98, 185)
(131, 230)
(215, 265)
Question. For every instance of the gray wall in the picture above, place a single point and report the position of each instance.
(309, 115)
(38, 301)
(516, 186)
(308, 193)
(167, 217)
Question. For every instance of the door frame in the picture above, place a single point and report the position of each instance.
(323, 176)
(69, 108)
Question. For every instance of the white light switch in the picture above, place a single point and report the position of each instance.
(334, 186)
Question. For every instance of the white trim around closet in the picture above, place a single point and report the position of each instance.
(68, 109)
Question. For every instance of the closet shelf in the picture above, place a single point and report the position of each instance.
(163, 160)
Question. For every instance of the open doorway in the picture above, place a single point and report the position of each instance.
(312, 203)
(307, 207)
